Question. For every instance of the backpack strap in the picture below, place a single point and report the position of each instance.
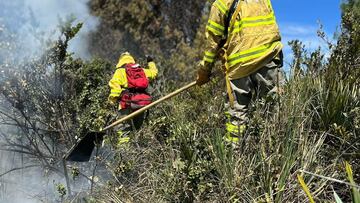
(234, 9)
(234, 14)
(230, 19)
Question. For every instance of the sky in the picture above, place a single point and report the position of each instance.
(298, 19)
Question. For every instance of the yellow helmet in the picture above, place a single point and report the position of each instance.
(125, 58)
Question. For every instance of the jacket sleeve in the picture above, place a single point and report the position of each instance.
(214, 33)
(117, 83)
(151, 72)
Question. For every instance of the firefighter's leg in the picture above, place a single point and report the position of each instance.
(268, 80)
(237, 115)
(138, 121)
(123, 130)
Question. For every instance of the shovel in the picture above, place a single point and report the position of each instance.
(81, 152)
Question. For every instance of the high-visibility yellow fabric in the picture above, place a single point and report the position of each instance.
(215, 28)
(123, 140)
(233, 132)
(209, 57)
(221, 6)
(125, 58)
(121, 137)
(119, 80)
(235, 129)
(253, 39)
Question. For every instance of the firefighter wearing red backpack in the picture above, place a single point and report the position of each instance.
(128, 90)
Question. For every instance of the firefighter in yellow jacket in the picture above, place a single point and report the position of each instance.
(128, 90)
(245, 36)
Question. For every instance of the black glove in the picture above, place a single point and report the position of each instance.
(149, 58)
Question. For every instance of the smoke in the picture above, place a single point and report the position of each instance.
(25, 28)
(29, 185)
(31, 22)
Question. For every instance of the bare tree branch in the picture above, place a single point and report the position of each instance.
(18, 168)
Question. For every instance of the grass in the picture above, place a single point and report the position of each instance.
(182, 156)
(308, 131)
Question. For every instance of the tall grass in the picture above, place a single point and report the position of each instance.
(186, 159)
(305, 133)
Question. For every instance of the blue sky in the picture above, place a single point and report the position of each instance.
(298, 19)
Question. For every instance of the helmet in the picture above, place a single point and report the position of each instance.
(125, 58)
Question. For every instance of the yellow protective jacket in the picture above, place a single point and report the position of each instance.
(253, 37)
(119, 82)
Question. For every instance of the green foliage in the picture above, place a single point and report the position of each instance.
(311, 126)
(52, 100)
(154, 27)
(33, 99)
(337, 198)
(180, 155)
(61, 190)
(68, 30)
(355, 190)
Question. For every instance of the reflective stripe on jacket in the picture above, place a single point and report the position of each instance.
(253, 39)
(119, 80)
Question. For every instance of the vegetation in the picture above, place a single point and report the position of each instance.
(301, 146)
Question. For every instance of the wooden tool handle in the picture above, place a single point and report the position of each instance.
(135, 113)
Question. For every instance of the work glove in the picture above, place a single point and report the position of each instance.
(203, 77)
(112, 101)
(149, 58)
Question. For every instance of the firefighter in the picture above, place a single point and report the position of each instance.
(245, 36)
(128, 91)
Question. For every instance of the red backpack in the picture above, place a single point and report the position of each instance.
(135, 97)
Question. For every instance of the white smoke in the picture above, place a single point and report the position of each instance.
(25, 25)
(29, 185)
(33, 21)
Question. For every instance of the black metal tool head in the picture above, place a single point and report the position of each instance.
(83, 149)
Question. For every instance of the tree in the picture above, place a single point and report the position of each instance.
(49, 102)
(346, 55)
(152, 27)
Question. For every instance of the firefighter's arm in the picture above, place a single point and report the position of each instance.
(215, 31)
(151, 72)
(116, 85)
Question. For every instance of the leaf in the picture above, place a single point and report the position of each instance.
(355, 191)
(337, 198)
(305, 188)
(178, 164)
